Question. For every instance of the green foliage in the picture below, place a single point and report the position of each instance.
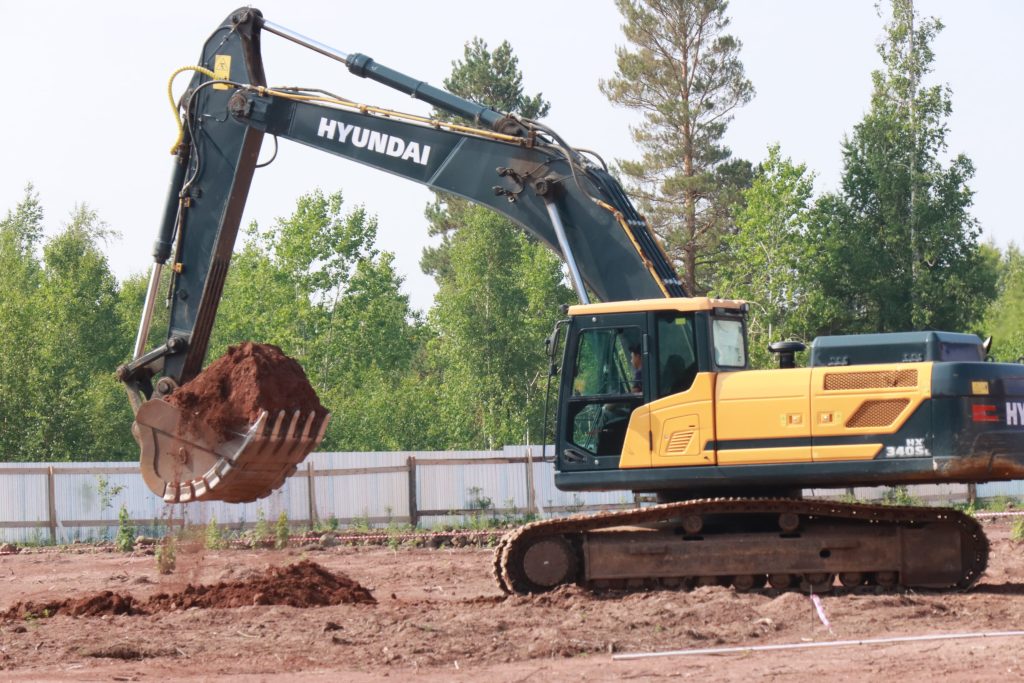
(998, 503)
(1017, 530)
(20, 273)
(281, 531)
(899, 495)
(106, 492)
(896, 247)
(261, 532)
(490, 319)
(683, 73)
(61, 337)
(213, 539)
(125, 539)
(1004, 319)
(315, 285)
(768, 256)
(166, 555)
(494, 80)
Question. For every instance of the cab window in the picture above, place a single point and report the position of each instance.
(677, 354)
(603, 363)
(606, 388)
(729, 344)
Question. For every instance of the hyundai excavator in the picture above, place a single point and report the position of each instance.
(655, 391)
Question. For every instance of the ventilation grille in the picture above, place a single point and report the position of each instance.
(877, 413)
(884, 379)
(679, 442)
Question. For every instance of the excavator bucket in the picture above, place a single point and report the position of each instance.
(185, 460)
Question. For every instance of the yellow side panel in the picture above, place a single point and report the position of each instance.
(636, 449)
(857, 451)
(755, 405)
(865, 399)
(679, 427)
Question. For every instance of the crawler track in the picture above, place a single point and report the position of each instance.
(811, 544)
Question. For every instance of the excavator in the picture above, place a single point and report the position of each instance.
(655, 392)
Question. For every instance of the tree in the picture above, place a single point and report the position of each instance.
(78, 409)
(498, 292)
(492, 79)
(20, 271)
(897, 246)
(490, 319)
(1004, 319)
(769, 253)
(315, 285)
(685, 77)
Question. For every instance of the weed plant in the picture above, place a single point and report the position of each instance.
(213, 538)
(166, 555)
(281, 531)
(125, 539)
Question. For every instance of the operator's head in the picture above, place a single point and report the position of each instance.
(635, 357)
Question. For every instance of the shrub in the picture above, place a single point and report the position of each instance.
(213, 540)
(125, 539)
(281, 531)
(166, 555)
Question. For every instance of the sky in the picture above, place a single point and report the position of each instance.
(85, 116)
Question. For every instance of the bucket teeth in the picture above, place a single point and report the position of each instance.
(277, 425)
(183, 461)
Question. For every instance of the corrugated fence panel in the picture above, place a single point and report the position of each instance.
(377, 497)
(23, 498)
(1013, 489)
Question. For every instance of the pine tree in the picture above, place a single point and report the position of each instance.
(684, 75)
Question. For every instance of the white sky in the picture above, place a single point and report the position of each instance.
(84, 115)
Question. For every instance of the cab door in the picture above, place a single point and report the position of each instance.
(682, 410)
(605, 381)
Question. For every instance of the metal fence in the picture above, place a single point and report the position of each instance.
(63, 502)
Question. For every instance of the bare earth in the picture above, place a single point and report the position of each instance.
(439, 617)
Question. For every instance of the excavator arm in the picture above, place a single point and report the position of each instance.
(563, 197)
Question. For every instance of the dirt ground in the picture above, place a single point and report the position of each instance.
(439, 616)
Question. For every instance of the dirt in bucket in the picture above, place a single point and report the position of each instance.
(230, 394)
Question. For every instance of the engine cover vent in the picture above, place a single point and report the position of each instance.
(878, 413)
(883, 379)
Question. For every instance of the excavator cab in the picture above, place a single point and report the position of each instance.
(622, 365)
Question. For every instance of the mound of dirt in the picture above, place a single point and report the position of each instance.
(304, 584)
(230, 394)
(104, 602)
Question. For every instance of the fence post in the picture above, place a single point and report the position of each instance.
(311, 481)
(531, 495)
(51, 500)
(414, 518)
(972, 494)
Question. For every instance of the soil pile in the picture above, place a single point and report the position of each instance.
(230, 394)
(104, 602)
(304, 584)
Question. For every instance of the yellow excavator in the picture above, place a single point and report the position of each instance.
(655, 391)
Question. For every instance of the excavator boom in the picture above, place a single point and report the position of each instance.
(517, 167)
